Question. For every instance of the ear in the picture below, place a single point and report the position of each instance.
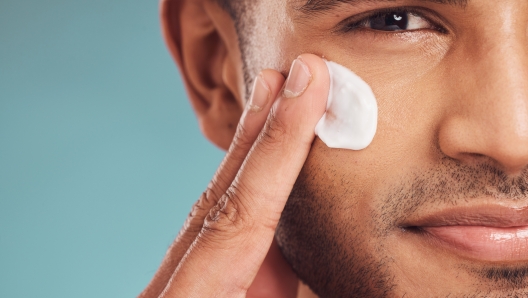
(202, 38)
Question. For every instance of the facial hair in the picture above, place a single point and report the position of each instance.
(342, 257)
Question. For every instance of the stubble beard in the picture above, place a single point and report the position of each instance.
(319, 248)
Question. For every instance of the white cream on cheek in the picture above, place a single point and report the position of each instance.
(351, 117)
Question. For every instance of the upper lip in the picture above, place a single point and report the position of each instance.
(483, 215)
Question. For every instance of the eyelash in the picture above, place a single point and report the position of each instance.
(359, 25)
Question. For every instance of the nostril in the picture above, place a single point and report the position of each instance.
(476, 156)
(511, 163)
(473, 158)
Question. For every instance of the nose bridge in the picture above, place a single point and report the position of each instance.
(502, 88)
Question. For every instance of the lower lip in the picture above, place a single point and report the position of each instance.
(484, 243)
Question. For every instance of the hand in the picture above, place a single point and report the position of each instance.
(228, 234)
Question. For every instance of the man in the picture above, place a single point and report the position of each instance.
(436, 206)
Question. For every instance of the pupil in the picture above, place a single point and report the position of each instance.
(392, 21)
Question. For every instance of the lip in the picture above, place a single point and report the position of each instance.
(487, 233)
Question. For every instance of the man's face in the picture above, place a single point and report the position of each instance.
(451, 148)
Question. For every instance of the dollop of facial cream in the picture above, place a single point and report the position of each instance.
(351, 117)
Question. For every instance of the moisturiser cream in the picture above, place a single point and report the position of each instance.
(351, 116)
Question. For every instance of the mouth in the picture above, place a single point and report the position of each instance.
(486, 233)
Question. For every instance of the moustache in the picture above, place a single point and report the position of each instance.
(450, 183)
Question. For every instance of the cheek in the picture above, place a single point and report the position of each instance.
(406, 75)
(406, 140)
(341, 181)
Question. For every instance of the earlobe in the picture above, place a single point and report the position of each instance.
(202, 39)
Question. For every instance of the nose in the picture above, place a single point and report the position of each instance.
(487, 120)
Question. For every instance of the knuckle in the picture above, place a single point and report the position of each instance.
(199, 210)
(275, 132)
(212, 193)
(242, 138)
(203, 204)
(239, 148)
(227, 218)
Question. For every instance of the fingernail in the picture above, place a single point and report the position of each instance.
(260, 95)
(298, 80)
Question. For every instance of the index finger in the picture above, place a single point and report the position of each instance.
(237, 233)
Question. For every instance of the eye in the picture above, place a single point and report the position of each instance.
(396, 20)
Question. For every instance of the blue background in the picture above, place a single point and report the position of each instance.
(100, 154)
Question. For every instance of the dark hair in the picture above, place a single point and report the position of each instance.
(229, 6)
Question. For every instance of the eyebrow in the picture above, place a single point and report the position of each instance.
(316, 6)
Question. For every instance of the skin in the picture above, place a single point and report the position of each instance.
(452, 131)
